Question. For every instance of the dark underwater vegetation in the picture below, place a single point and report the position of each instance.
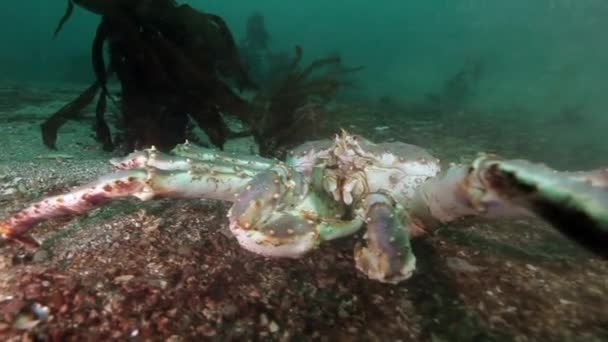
(84, 81)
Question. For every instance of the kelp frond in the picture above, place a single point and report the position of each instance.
(70, 111)
(292, 106)
(64, 19)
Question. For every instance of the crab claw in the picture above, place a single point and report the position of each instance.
(260, 217)
(387, 257)
(276, 215)
(575, 205)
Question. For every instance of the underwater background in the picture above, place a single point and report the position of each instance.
(541, 55)
(524, 79)
(543, 61)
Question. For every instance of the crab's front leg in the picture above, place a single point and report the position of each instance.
(157, 175)
(387, 255)
(281, 213)
(575, 203)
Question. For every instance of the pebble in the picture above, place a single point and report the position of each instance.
(124, 278)
(461, 265)
(273, 327)
(343, 314)
(531, 268)
(263, 320)
(41, 256)
(25, 322)
(21, 188)
(565, 302)
(9, 191)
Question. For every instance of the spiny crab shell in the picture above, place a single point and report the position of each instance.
(356, 166)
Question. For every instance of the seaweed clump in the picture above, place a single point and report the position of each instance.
(173, 63)
(290, 109)
(177, 66)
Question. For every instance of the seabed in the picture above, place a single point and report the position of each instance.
(170, 270)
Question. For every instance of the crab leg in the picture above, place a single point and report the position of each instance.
(575, 203)
(196, 152)
(387, 255)
(183, 156)
(449, 197)
(180, 177)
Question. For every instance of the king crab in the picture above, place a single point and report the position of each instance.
(330, 189)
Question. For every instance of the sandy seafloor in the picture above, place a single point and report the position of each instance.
(170, 270)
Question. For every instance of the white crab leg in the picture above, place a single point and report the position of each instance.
(596, 178)
(201, 180)
(460, 192)
(195, 152)
(185, 154)
(575, 203)
(447, 198)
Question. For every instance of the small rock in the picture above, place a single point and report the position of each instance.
(9, 191)
(21, 188)
(565, 302)
(41, 256)
(531, 268)
(263, 320)
(343, 314)
(42, 312)
(461, 265)
(26, 322)
(124, 278)
(273, 327)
